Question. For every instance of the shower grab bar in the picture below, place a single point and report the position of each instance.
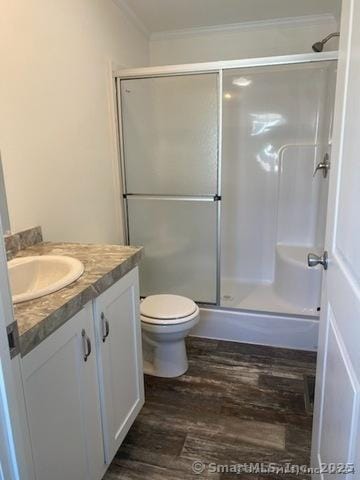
(186, 198)
(294, 145)
(282, 149)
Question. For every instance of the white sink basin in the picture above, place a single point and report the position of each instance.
(34, 277)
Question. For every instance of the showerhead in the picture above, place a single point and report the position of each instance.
(319, 46)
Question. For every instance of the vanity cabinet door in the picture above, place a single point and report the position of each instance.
(62, 401)
(118, 339)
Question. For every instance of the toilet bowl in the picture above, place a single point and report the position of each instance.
(165, 322)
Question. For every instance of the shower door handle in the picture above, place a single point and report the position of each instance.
(314, 260)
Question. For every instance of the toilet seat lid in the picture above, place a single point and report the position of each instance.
(167, 307)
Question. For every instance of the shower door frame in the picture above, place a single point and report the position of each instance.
(193, 69)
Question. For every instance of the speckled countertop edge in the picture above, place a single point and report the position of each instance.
(104, 266)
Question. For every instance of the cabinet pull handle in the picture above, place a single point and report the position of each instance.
(105, 326)
(86, 345)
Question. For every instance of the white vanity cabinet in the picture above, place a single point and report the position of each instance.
(62, 401)
(83, 386)
(118, 342)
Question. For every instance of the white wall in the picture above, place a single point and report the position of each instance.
(258, 39)
(56, 134)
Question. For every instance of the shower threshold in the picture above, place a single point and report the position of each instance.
(260, 297)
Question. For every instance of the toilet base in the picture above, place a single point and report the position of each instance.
(164, 349)
(167, 360)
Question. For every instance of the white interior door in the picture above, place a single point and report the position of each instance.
(9, 451)
(8, 468)
(336, 438)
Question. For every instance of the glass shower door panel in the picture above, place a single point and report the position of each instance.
(170, 131)
(179, 237)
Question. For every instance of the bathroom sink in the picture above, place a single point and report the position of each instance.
(36, 276)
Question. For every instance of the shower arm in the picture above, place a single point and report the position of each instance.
(330, 36)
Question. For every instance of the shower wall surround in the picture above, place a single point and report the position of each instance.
(276, 129)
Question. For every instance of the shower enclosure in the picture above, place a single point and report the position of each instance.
(220, 182)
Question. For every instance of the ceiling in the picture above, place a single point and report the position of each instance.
(164, 15)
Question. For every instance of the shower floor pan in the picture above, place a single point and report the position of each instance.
(295, 290)
(259, 297)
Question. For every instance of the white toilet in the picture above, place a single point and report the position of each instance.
(165, 322)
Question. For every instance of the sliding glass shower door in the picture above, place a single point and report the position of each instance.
(170, 160)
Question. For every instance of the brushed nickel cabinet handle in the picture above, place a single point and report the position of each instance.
(105, 327)
(86, 345)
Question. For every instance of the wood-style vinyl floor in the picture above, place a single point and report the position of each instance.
(237, 404)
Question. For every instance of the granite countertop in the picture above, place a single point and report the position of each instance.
(104, 265)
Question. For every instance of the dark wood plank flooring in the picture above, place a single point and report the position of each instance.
(237, 404)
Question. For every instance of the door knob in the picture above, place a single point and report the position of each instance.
(314, 260)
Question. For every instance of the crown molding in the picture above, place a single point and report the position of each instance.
(132, 17)
(303, 21)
